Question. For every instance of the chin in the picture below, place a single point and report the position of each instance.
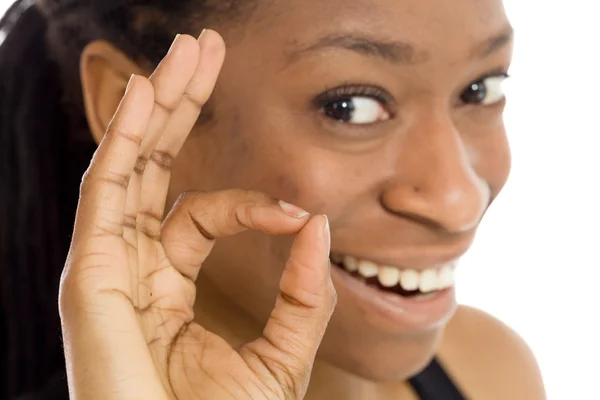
(390, 359)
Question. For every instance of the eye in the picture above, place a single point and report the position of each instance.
(355, 104)
(357, 110)
(485, 91)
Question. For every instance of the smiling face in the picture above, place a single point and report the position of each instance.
(385, 115)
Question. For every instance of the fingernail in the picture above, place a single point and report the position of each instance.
(174, 41)
(292, 210)
(201, 34)
(327, 234)
(130, 83)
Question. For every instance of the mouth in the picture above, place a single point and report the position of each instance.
(409, 283)
(397, 297)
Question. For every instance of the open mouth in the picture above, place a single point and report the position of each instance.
(409, 283)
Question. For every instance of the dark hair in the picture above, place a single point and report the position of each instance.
(45, 146)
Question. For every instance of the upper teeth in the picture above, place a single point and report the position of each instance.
(426, 281)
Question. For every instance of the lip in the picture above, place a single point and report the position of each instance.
(392, 312)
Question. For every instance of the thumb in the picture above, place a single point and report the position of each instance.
(302, 311)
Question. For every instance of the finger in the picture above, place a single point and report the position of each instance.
(193, 97)
(169, 81)
(104, 185)
(302, 311)
(189, 234)
(197, 219)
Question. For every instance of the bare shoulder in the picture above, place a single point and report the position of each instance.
(488, 359)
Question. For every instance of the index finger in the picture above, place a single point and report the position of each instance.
(197, 219)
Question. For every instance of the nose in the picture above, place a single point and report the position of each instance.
(435, 180)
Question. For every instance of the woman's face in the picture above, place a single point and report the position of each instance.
(385, 115)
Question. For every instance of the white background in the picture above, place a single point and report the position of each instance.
(535, 263)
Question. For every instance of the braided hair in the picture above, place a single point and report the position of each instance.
(46, 145)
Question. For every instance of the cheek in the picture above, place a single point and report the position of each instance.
(280, 159)
(491, 159)
(308, 177)
(212, 159)
(251, 150)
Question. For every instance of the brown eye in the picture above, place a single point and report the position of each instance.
(340, 110)
(474, 94)
(485, 91)
(356, 110)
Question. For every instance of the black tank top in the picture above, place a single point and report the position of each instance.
(433, 383)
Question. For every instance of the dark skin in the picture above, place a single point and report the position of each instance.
(411, 186)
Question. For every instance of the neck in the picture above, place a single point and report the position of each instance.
(217, 313)
(330, 382)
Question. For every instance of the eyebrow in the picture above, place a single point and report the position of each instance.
(397, 52)
(494, 44)
(392, 51)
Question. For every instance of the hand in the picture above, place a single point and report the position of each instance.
(128, 290)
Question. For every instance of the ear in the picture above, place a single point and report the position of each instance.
(105, 71)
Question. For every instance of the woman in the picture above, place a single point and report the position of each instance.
(385, 116)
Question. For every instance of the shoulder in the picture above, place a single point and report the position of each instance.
(488, 359)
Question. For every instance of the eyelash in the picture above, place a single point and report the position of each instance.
(348, 90)
(354, 90)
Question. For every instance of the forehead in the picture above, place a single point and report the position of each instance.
(426, 24)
